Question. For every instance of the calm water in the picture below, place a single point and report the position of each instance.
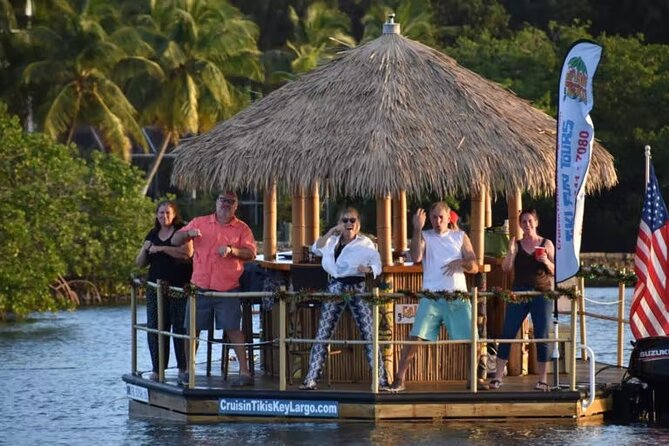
(61, 376)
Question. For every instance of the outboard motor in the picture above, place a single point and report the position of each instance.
(649, 363)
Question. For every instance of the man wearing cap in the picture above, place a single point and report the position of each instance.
(222, 243)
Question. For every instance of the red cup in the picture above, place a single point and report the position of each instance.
(539, 251)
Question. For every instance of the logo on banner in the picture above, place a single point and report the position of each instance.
(576, 83)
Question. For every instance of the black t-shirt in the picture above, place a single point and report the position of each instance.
(162, 266)
(527, 268)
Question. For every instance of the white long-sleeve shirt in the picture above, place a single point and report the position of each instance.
(359, 251)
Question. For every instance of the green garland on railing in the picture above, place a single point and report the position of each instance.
(189, 290)
(436, 295)
(511, 297)
(306, 295)
(599, 271)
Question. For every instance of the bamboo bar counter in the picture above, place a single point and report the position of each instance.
(431, 363)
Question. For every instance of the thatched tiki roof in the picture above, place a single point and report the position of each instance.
(388, 116)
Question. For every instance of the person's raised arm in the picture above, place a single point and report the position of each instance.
(469, 263)
(417, 243)
(244, 248)
(335, 230)
(143, 256)
(184, 251)
(548, 258)
(182, 236)
(510, 258)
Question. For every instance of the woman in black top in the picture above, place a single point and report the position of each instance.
(172, 264)
(531, 259)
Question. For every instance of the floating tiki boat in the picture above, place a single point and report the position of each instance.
(387, 119)
(209, 397)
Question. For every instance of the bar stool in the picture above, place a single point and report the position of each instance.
(249, 335)
(303, 320)
(303, 323)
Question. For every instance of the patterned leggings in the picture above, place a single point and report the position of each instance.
(174, 313)
(330, 314)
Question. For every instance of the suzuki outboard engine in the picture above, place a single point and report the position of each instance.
(649, 363)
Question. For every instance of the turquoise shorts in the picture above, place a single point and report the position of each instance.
(455, 314)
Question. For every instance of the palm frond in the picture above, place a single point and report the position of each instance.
(184, 107)
(118, 104)
(131, 67)
(44, 72)
(62, 114)
(129, 40)
(99, 55)
(111, 128)
(214, 80)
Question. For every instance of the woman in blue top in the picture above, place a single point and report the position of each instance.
(173, 265)
(531, 259)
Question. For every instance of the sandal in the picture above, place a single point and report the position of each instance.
(542, 386)
(396, 387)
(495, 383)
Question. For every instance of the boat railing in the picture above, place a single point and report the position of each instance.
(376, 298)
(619, 319)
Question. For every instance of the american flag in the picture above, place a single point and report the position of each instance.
(649, 315)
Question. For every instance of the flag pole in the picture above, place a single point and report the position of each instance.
(646, 150)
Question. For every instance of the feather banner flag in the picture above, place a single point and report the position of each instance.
(575, 134)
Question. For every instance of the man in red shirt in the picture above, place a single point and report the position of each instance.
(222, 244)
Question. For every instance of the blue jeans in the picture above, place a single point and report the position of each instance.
(540, 308)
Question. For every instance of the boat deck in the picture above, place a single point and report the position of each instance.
(213, 400)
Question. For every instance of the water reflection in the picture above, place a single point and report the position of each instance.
(62, 386)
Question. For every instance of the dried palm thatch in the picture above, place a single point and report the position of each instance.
(387, 116)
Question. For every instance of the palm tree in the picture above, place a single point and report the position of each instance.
(76, 57)
(317, 35)
(201, 52)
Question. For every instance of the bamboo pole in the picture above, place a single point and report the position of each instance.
(269, 223)
(375, 341)
(473, 353)
(572, 340)
(161, 325)
(312, 223)
(192, 329)
(133, 328)
(514, 204)
(298, 224)
(488, 209)
(581, 313)
(383, 230)
(476, 233)
(282, 339)
(621, 322)
(400, 222)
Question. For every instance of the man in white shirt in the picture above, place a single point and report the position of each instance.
(446, 253)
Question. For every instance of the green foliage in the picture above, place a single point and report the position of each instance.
(525, 63)
(62, 216)
(468, 18)
(118, 219)
(318, 34)
(414, 17)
